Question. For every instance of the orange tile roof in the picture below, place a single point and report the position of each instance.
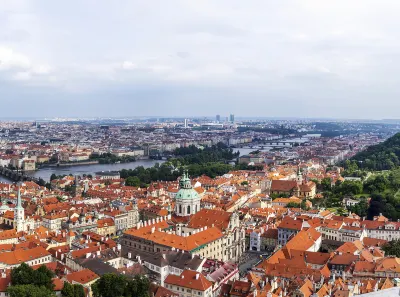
(83, 277)
(21, 255)
(303, 240)
(189, 279)
(8, 234)
(172, 240)
(209, 217)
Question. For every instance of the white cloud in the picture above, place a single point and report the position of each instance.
(128, 65)
(10, 59)
(23, 75)
(41, 69)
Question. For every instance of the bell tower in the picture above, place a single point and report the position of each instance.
(19, 214)
(299, 176)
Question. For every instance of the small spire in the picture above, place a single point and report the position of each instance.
(19, 203)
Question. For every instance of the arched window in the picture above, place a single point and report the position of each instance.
(180, 208)
(188, 209)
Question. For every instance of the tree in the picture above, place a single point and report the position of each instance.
(110, 285)
(326, 184)
(139, 286)
(392, 248)
(44, 277)
(75, 290)
(41, 182)
(29, 291)
(22, 275)
(293, 205)
(360, 208)
(53, 176)
(132, 181)
(25, 275)
(376, 206)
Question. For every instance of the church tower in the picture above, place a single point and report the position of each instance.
(187, 200)
(299, 176)
(19, 214)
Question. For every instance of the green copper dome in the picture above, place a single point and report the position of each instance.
(186, 190)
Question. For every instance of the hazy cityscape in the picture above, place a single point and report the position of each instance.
(199, 148)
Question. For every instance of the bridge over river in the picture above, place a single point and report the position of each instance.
(17, 175)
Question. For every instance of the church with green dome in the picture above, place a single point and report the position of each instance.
(187, 200)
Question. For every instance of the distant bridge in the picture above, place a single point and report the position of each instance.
(16, 175)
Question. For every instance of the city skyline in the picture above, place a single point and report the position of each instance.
(294, 59)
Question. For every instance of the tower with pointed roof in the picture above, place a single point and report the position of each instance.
(187, 200)
(299, 176)
(19, 214)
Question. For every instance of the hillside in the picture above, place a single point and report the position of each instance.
(383, 156)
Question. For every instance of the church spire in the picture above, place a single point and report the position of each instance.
(19, 213)
(19, 203)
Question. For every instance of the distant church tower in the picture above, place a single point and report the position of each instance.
(299, 176)
(19, 214)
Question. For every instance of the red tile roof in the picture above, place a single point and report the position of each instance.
(189, 279)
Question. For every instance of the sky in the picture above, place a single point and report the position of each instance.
(253, 58)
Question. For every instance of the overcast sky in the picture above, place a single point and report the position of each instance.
(272, 58)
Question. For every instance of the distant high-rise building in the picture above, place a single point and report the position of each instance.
(186, 123)
(232, 118)
(218, 118)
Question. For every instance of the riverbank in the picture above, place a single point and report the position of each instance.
(69, 164)
(46, 172)
(79, 169)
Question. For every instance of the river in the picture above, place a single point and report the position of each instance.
(46, 172)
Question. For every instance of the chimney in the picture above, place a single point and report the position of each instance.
(197, 276)
(153, 229)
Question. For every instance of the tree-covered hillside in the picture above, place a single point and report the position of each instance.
(383, 156)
